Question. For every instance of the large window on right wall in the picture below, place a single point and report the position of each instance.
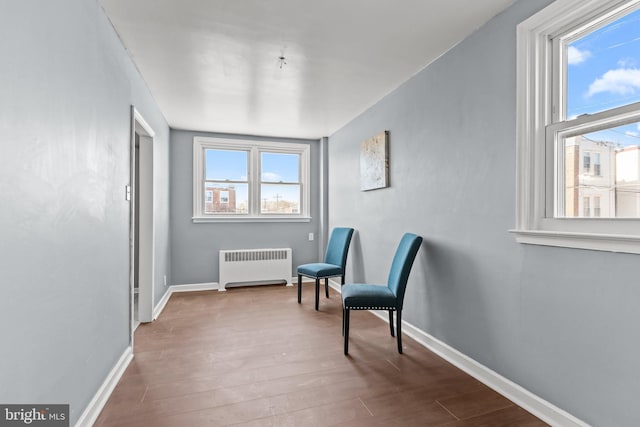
(578, 126)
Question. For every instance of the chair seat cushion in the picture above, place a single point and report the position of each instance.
(319, 269)
(363, 296)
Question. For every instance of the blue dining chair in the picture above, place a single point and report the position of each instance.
(335, 260)
(358, 296)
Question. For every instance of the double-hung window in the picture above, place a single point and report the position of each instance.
(240, 180)
(578, 126)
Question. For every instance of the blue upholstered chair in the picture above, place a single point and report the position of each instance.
(376, 297)
(335, 260)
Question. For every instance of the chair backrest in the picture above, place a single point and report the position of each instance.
(401, 265)
(338, 246)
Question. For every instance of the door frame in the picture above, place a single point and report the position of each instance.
(146, 234)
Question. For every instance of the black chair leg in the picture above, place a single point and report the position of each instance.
(391, 323)
(317, 293)
(299, 288)
(346, 330)
(399, 330)
(326, 286)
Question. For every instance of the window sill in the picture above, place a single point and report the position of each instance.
(596, 242)
(252, 219)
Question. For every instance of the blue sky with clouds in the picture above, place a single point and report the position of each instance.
(604, 72)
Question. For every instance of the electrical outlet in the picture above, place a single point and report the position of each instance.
(310, 236)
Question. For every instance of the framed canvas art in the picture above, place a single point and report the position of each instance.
(374, 162)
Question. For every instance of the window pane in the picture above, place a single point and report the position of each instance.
(586, 207)
(226, 199)
(278, 167)
(283, 199)
(604, 67)
(604, 168)
(223, 165)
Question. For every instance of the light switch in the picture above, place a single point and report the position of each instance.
(127, 193)
(310, 236)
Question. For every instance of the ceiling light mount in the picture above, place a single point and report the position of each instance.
(282, 61)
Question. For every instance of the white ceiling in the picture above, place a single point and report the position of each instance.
(212, 65)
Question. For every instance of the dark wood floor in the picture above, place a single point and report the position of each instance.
(254, 357)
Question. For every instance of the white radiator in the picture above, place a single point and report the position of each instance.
(254, 266)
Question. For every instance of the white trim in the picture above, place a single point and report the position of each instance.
(93, 409)
(195, 287)
(532, 403)
(162, 303)
(143, 123)
(238, 218)
(600, 242)
(335, 285)
(147, 287)
(253, 182)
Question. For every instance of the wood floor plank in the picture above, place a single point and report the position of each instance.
(255, 357)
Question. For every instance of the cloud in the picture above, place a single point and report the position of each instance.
(576, 56)
(622, 81)
(627, 63)
(271, 177)
(632, 133)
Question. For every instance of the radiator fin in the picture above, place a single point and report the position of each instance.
(255, 255)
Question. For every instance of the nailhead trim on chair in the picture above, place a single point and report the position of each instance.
(371, 308)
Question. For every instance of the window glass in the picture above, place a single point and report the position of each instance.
(610, 171)
(280, 198)
(226, 198)
(226, 165)
(585, 206)
(586, 162)
(603, 67)
(280, 167)
(280, 189)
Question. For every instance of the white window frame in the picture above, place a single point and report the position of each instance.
(254, 149)
(536, 134)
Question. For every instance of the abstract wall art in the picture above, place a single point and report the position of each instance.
(374, 162)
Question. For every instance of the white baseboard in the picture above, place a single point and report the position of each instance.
(335, 285)
(194, 287)
(94, 408)
(539, 407)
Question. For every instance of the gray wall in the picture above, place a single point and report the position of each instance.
(67, 85)
(562, 323)
(195, 246)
